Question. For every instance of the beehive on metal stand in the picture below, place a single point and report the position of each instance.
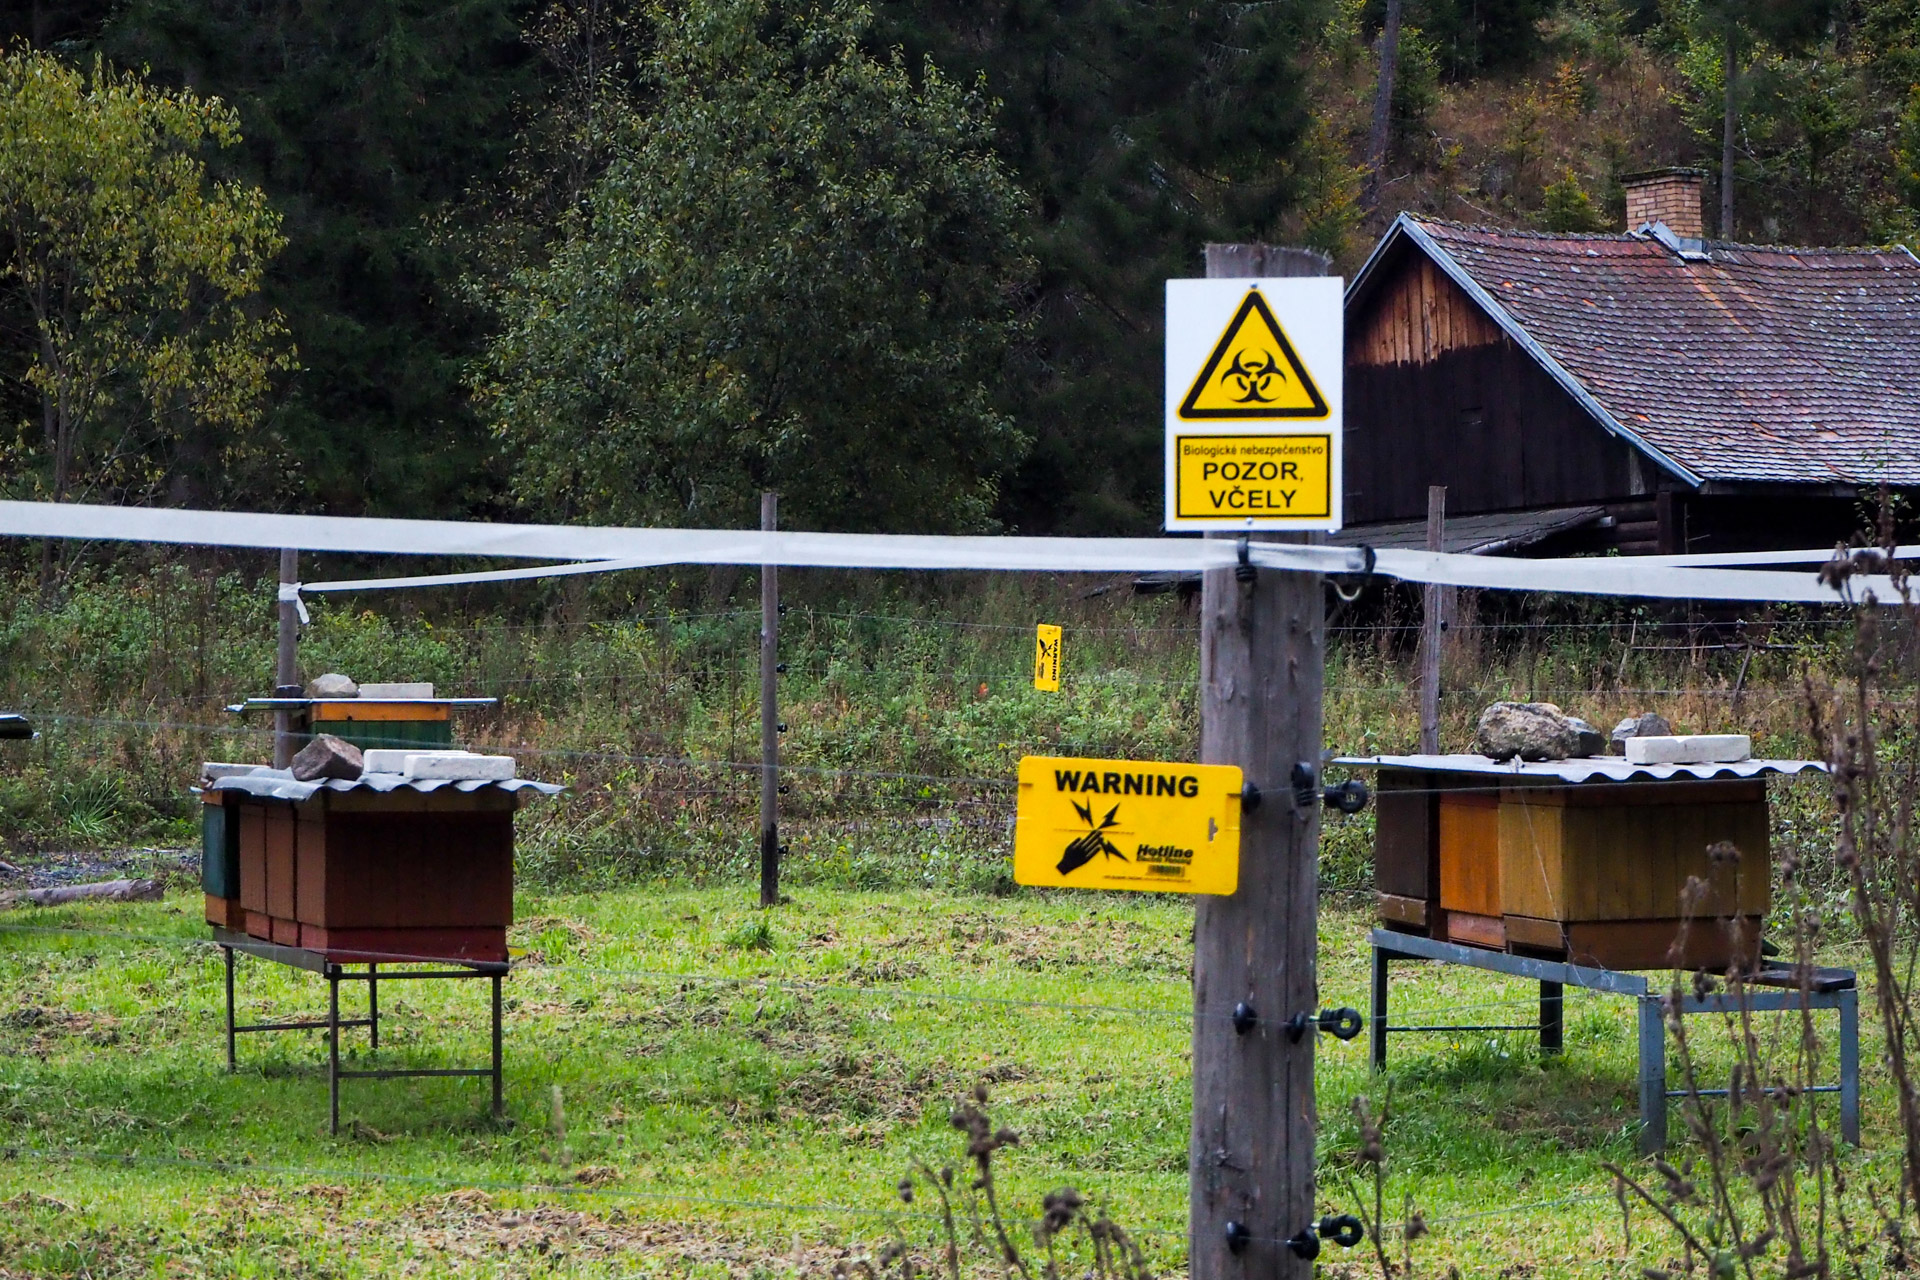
(1587, 860)
(375, 868)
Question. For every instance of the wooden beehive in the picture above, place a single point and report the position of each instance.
(371, 875)
(368, 722)
(1596, 872)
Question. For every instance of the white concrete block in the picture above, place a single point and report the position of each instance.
(394, 759)
(1693, 748)
(405, 689)
(457, 766)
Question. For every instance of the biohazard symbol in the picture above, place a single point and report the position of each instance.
(1253, 372)
(1094, 843)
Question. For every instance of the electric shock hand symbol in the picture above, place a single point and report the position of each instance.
(1092, 844)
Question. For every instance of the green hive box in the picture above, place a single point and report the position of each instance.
(379, 722)
(389, 733)
(219, 852)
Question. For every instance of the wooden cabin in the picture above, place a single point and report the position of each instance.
(1649, 391)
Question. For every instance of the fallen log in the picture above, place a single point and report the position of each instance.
(102, 891)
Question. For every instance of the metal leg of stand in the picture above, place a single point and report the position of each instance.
(333, 1052)
(232, 1063)
(1653, 1076)
(373, 1002)
(498, 1103)
(1379, 1027)
(1553, 1012)
(1850, 1066)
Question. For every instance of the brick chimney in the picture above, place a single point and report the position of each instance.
(1671, 196)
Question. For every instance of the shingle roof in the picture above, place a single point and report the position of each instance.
(1474, 534)
(1750, 364)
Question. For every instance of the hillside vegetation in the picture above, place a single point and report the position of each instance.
(504, 289)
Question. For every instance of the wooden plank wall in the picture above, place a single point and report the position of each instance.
(1436, 394)
(1420, 316)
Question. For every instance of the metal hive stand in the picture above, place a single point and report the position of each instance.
(335, 973)
(1827, 989)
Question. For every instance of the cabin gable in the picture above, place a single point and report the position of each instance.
(1437, 393)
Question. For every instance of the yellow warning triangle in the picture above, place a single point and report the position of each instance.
(1253, 372)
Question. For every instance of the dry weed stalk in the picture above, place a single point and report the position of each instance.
(1766, 1186)
(1064, 1213)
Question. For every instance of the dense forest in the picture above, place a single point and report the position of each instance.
(615, 260)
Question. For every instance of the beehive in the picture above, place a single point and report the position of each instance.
(363, 874)
(368, 723)
(1593, 871)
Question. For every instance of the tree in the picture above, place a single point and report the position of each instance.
(1142, 129)
(1738, 25)
(370, 124)
(130, 275)
(802, 271)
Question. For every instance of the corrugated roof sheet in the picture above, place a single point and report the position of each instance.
(1589, 769)
(1472, 535)
(1747, 364)
(279, 784)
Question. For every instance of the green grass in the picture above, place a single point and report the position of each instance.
(807, 1077)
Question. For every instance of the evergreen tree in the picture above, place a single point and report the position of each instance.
(365, 121)
(1142, 130)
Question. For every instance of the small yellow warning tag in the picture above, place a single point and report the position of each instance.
(1046, 658)
(1253, 373)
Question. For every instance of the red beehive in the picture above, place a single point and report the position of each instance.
(375, 869)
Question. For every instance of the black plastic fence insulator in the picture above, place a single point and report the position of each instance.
(1348, 797)
(1343, 1229)
(1244, 572)
(1249, 798)
(780, 667)
(1244, 1017)
(1343, 1023)
(782, 726)
(1306, 785)
(1238, 1235)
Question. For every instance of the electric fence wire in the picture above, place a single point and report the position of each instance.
(792, 986)
(1000, 783)
(255, 1170)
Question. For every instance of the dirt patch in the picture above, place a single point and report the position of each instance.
(48, 869)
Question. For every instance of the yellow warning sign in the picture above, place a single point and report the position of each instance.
(1218, 476)
(1127, 824)
(1046, 657)
(1253, 373)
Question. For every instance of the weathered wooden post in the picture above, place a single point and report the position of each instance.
(769, 714)
(1251, 1156)
(1433, 626)
(286, 669)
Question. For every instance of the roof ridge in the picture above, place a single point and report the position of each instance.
(1525, 233)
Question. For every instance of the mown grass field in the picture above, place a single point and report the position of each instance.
(742, 1090)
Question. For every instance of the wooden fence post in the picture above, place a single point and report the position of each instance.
(1251, 1155)
(769, 714)
(1433, 626)
(286, 669)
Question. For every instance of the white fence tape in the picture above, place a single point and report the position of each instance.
(597, 549)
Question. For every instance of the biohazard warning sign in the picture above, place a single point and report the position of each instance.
(1127, 824)
(1253, 373)
(1254, 397)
